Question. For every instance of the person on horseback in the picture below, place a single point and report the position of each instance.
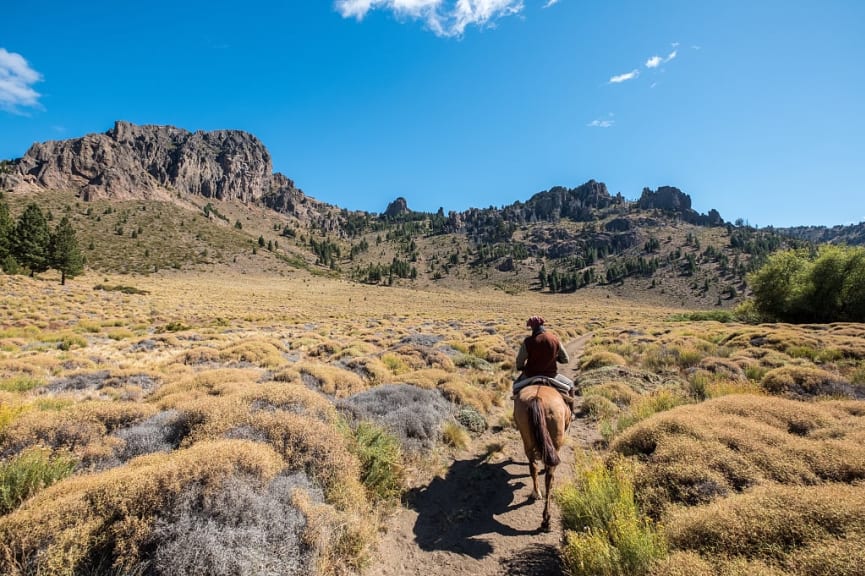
(537, 357)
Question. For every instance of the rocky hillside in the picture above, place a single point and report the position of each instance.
(122, 189)
(130, 162)
(853, 235)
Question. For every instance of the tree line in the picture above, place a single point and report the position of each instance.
(801, 286)
(29, 244)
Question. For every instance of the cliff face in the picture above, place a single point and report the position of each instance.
(132, 161)
(160, 162)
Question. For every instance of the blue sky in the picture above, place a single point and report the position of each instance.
(756, 109)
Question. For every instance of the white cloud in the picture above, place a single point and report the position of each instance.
(653, 62)
(601, 124)
(672, 55)
(550, 3)
(625, 77)
(16, 80)
(444, 17)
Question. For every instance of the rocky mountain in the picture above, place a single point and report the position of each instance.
(122, 190)
(161, 163)
(853, 234)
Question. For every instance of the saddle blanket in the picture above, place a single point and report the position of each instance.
(560, 382)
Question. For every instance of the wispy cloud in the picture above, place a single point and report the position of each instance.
(16, 83)
(653, 62)
(601, 124)
(446, 18)
(550, 3)
(625, 77)
(672, 55)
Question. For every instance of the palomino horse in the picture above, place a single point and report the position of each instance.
(543, 419)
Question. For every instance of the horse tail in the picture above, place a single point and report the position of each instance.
(549, 454)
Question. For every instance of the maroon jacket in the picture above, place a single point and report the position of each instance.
(542, 349)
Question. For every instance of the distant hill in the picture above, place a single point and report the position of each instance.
(147, 198)
(853, 234)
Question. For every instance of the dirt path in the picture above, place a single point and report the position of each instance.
(478, 518)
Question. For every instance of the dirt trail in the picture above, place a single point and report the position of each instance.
(479, 518)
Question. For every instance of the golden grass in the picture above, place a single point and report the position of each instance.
(66, 523)
(803, 530)
(80, 428)
(601, 358)
(266, 359)
(803, 381)
(695, 454)
(330, 379)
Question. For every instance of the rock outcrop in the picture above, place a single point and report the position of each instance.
(132, 161)
(162, 162)
(671, 199)
(397, 208)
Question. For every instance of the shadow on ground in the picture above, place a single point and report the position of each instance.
(455, 512)
(534, 560)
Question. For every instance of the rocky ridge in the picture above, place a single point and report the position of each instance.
(163, 162)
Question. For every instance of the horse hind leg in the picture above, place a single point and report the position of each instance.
(549, 472)
(533, 470)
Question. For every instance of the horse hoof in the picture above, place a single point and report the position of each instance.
(545, 525)
(536, 495)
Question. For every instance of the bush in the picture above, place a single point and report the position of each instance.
(605, 531)
(162, 432)
(808, 382)
(380, 458)
(795, 286)
(471, 419)
(241, 530)
(601, 358)
(29, 472)
(20, 384)
(695, 454)
(455, 435)
(413, 414)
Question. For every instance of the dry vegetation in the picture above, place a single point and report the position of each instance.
(128, 415)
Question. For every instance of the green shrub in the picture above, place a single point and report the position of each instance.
(659, 401)
(471, 419)
(380, 457)
(20, 384)
(704, 316)
(605, 532)
(29, 472)
(797, 286)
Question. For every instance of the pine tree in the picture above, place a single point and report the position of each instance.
(65, 255)
(6, 230)
(30, 242)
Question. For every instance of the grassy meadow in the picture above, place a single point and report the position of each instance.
(273, 421)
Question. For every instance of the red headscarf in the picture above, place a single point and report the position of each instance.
(535, 322)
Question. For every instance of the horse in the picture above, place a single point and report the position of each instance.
(543, 418)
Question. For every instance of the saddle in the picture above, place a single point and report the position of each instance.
(568, 393)
(541, 381)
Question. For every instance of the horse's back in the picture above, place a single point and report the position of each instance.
(556, 411)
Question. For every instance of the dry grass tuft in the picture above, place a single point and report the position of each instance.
(801, 529)
(696, 454)
(256, 351)
(808, 382)
(71, 526)
(601, 358)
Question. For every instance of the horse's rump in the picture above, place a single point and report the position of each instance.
(544, 442)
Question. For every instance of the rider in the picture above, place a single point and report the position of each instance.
(538, 356)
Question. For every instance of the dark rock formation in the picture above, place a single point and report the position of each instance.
(671, 199)
(397, 208)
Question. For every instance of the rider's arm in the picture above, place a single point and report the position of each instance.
(562, 357)
(522, 356)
